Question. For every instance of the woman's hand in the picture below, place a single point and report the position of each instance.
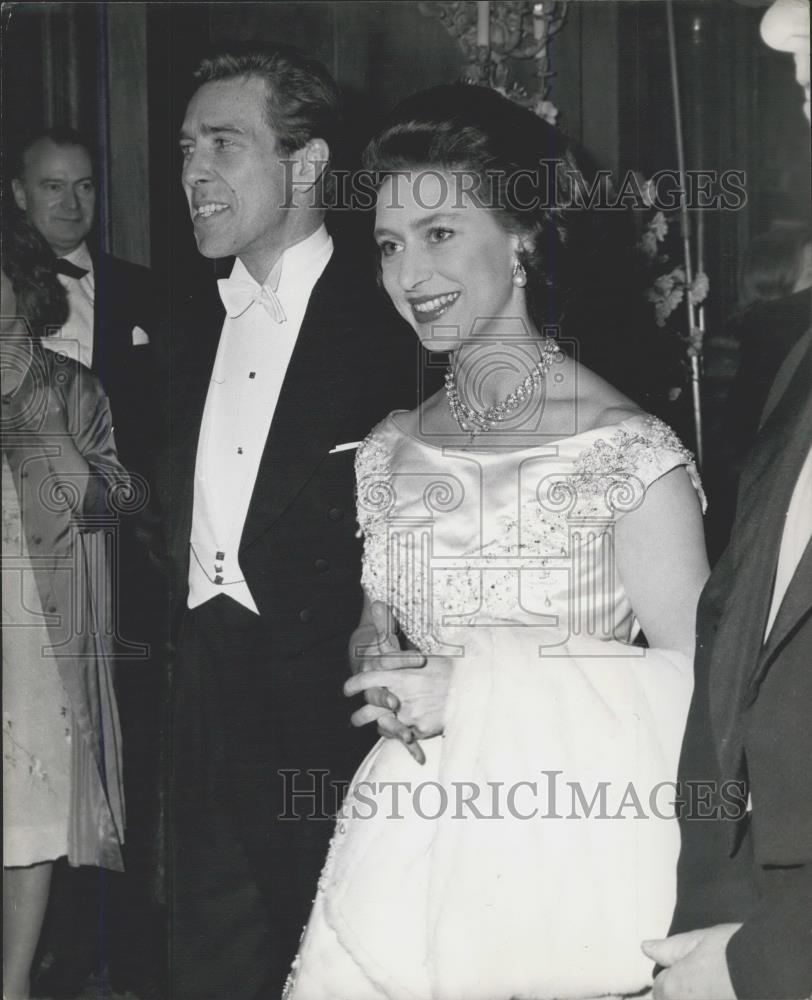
(374, 648)
(405, 691)
(420, 686)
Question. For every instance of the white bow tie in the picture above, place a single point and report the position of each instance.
(238, 295)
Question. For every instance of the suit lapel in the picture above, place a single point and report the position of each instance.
(740, 657)
(791, 449)
(319, 387)
(797, 603)
(103, 297)
(111, 300)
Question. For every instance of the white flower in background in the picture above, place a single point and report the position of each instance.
(667, 293)
(647, 244)
(695, 339)
(547, 110)
(675, 278)
(655, 232)
(659, 226)
(699, 289)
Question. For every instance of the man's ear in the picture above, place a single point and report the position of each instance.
(310, 163)
(19, 193)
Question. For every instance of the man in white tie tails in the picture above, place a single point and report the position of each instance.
(290, 362)
(114, 304)
(114, 310)
(743, 921)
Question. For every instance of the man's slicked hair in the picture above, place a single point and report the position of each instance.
(59, 135)
(303, 101)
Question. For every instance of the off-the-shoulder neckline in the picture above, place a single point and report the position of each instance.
(495, 449)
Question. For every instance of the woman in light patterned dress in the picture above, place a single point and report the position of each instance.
(62, 793)
(520, 528)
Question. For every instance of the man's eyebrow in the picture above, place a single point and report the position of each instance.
(213, 130)
(62, 180)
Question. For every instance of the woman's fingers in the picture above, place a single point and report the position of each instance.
(392, 728)
(382, 676)
(416, 751)
(369, 713)
(384, 622)
(383, 698)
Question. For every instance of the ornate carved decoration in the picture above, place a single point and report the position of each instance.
(516, 30)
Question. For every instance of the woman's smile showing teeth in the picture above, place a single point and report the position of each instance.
(428, 308)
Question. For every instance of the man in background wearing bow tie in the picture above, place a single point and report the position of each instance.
(111, 329)
(291, 362)
(113, 304)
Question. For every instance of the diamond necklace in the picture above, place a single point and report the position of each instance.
(473, 421)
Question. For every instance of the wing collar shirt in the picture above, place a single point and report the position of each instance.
(256, 344)
(76, 337)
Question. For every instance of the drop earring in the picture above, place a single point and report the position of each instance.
(519, 274)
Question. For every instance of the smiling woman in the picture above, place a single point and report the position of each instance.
(454, 262)
(485, 243)
(517, 526)
(512, 174)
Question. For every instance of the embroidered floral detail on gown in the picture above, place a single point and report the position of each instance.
(62, 755)
(37, 720)
(537, 846)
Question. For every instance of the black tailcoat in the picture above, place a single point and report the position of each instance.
(258, 696)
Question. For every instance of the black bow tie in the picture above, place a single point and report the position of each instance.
(69, 269)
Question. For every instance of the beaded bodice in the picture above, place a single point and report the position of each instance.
(482, 536)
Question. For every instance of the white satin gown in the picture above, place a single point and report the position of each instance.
(537, 846)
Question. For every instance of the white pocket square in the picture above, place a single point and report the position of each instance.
(139, 336)
(349, 446)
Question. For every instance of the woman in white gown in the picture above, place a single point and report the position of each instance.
(520, 527)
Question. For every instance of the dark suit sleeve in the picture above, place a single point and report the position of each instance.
(770, 957)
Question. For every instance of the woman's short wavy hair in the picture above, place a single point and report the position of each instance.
(513, 162)
(30, 265)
